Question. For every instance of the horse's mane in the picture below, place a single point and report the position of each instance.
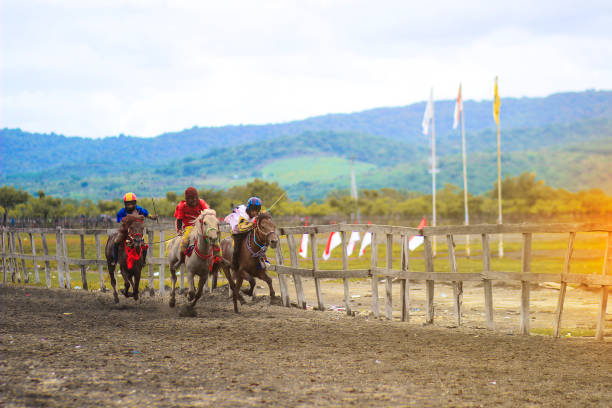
(264, 216)
(204, 213)
(129, 219)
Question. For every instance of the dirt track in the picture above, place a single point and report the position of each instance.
(70, 348)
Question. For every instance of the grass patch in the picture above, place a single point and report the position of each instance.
(575, 332)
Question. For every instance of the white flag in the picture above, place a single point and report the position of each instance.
(416, 241)
(367, 240)
(303, 252)
(428, 116)
(458, 109)
(333, 241)
(352, 241)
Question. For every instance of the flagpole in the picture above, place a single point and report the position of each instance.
(433, 166)
(499, 186)
(465, 186)
(354, 193)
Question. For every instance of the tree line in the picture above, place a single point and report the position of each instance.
(524, 199)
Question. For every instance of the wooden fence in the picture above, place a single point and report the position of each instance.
(430, 276)
(14, 264)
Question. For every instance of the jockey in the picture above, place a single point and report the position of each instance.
(241, 221)
(186, 213)
(130, 207)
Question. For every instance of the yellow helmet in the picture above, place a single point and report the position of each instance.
(129, 197)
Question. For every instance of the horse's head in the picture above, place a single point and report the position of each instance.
(135, 230)
(208, 225)
(266, 230)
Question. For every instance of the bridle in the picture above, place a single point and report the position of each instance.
(134, 236)
(204, 231)
(261, 232)
(213, 259)
(263, 247)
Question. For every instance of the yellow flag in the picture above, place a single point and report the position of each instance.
(496, 104)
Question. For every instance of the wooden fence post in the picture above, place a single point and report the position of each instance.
(345, 281)
(297, 279)
(315, 268)
(563, 289)
(457, 285)
(374, 263)
(525, 268)
(26, 276)
(405, 284)
(67, 277)
(4, 253)
(488, 286)
(162, 277)
(47, 263)
(58, 255)
(13, 257)
(389, 279)
(83, 268)
(34, 263)
(99, 257)
(429, 284)
(603, 303)
(151, 238)
(282, 279)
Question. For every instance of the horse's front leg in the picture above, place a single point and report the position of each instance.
(268, 280)
(201, 282)
(113, 281)
(172, 293)
(230, 281)
(237, 289)
(190, 277)
(126, 282)
(136, 282)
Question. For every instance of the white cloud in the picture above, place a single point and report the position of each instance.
(98, 68)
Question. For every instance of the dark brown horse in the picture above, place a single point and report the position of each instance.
(252, 248)
(130, 257)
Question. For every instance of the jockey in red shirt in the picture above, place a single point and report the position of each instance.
(186, 213)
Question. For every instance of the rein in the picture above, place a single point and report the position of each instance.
(213, 259)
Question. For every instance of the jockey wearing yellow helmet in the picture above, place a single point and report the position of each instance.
(130, 207)
(129, 202)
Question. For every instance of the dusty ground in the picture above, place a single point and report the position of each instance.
(72, 348)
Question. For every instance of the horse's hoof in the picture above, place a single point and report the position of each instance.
(172, 303)
(116, 298)
(190, 296)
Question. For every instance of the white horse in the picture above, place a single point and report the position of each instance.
(202, 261)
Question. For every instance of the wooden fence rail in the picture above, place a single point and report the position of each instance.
(14, 264)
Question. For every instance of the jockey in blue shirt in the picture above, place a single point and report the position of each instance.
(129, 202)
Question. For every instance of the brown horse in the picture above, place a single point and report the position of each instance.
(202, 261)
(252, 248)
(131, 253)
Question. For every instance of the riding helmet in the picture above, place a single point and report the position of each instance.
(129, 197)
(254, 203)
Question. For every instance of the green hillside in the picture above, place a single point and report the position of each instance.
(566, 139)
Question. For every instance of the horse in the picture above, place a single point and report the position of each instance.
(202, 261)
(252, 248)
(130, 256)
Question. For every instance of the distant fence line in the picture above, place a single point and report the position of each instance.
(13, 255)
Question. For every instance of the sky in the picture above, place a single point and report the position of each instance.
(102, 68)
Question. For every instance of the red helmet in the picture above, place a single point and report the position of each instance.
(191, 192)
(129, 197)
